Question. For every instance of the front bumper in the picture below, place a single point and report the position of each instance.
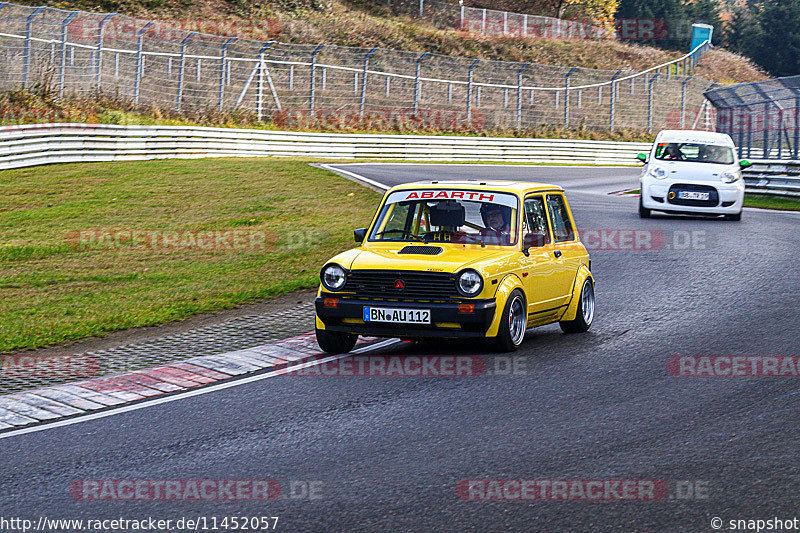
(446, 320)
(655, 196)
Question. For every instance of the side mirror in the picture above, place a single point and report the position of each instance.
(360, 234)
(641, 156)
(744, 163)
(532, 240)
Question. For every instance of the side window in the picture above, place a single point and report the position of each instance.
(562, 227)
(536, 220)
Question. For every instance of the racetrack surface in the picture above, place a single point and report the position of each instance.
(601, 405)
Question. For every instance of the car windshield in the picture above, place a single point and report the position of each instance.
(455, 216)
(694, 152)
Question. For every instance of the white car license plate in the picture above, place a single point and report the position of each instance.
(693, 195)
(397, 316)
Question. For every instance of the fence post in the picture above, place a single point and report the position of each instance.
(138, 73)
(613, 100)
(749, 131)
(469, 91)
(311, 79)
(519, 95)
(525, 25)
(364, 83)
(27, 61)
(63, 61)
(566, 96)
(741, 133)
(222, 69)
(650, 102)
(100, 48)
(461, 15)
(796, 126)
(483, 22)
(767, 111)
(421, 7)
(417, 83)
(505, 22)
(181, 69)
(683, 100)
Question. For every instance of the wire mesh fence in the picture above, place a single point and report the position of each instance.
(763, 118)
(152, 64)
(497, 23)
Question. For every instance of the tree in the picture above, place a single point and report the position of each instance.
(601, 12)
(777, 48)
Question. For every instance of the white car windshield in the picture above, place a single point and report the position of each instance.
(694, 152)
(453, 216)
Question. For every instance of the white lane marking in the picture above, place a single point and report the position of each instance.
(191, 393)
(355, 176)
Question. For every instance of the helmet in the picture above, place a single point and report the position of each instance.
(505, 211)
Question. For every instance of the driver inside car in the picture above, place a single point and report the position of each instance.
(497, 219)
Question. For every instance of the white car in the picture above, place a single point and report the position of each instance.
(692, 172)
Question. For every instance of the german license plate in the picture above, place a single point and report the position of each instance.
(693, 195)
(397, 316)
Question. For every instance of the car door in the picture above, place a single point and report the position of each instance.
(539, 269)
(567, 250)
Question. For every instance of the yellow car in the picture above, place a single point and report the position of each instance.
(468, 259)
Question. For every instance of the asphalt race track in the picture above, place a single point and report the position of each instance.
(386, 454)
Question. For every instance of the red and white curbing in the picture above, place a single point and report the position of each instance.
(50, 403)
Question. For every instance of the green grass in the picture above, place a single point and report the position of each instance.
(54, 289)
(772, 202)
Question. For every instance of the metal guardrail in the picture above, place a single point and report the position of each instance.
(773, 177)
(40, 144)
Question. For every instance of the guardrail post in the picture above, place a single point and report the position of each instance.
(650, 103)
(519, 94)
(364, 83)
(181, 69)
(222, 61)
(63, 60)
(469, 91)
(311, 79)
(683, 100)
(566, 96)
(138, 73)
(417, 88)
(27, 58)
(100, 48)
(613, 100)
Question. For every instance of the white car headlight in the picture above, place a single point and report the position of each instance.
(333, 277)
(658, 173)
(730, 177)
(470, 283)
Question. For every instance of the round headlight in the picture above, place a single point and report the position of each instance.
(333, 277)
(729, 177)
(658, 173)
(470, 283)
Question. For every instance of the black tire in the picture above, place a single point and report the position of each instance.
(736, 218)
(335, 342)
(585, 316)
(643, 211)
(509, 338)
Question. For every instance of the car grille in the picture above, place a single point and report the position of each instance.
(713, 196)
(415, 285)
